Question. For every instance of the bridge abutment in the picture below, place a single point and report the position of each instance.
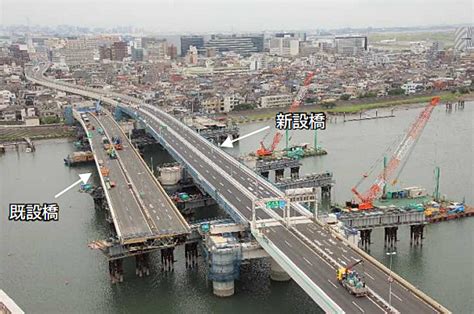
(277, 273)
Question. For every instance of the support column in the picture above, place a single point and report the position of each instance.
(191, 254)
(295, 172)
(167, 259)
(277, 273)
(279, 174)
(365, 238)
(223, 288)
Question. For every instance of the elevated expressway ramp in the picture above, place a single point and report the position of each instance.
(306, 250)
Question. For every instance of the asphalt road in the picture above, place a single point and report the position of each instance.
(129, 218)
(211, 164)
(165, 217)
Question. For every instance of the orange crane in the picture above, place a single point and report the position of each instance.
(263, 151)
(403, 149)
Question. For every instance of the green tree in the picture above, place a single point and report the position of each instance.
(396, 91)
(345, 97)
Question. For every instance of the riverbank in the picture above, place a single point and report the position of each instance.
(17, 133)
(347, 107)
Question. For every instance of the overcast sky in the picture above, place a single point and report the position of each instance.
(236, 15)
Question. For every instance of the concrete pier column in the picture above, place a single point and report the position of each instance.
(223, 288)
(277, 273)
(295, 172)
(279, 174)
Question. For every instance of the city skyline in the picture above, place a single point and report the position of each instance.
(208, 16)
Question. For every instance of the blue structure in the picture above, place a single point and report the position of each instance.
(68, 116)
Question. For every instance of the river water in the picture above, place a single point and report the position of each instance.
(48, 268)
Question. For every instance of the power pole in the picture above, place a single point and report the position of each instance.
(384, 193)
(437, 174)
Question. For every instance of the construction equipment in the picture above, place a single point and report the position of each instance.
(351, 280)
(106, 142)
(112, 153)
(262, 151)
(117, 142)
(403, 150)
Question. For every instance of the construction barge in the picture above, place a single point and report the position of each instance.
(295, 152)
(79, 158)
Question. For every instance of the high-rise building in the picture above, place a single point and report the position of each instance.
(299, 35)
(137, 54)
(243, 45)
(105, 52)
(20, 52)
(172, 52)
(156, 49)
(187, 41)
(463, 38)
(350, 44)
(284, 46)
(119, 50)
(80, 50)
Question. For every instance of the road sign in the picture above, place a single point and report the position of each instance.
(275, 204)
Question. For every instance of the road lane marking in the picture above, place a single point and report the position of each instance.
(376, 304)
(238, 199)
(288, 243)
(360, 309)
(310, 230)
(221, 184)
(214, 178)
(158, 218)
(332, 283)
(228, 190)
(344, 257)
(369, 276)
(307, 261)
(355, 259)
(317, 242)
(396, 296)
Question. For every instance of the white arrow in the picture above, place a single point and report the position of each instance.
(83, 178)
(229, 141)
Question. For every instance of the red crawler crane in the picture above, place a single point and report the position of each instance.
(403, 149)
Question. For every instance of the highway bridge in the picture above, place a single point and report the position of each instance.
(141, 211)
(308, 251)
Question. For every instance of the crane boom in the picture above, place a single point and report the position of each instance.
(402, 150)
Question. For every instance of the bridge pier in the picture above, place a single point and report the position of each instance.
(167, 259)
(142, 265)
(223, 288)
(365, 237)
(390, 236)
(295, 172)
(279, 174)
(326, 192)
(277, 273)
(116, 270)
(191, 254)
(416, 234)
